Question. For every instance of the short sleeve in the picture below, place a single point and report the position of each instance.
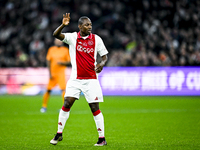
(69, 37)
(66, 39)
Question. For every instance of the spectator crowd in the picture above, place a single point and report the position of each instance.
(135, 32)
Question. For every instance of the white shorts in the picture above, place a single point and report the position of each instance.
(90, 88)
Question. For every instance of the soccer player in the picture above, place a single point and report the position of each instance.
(83, 49)
(57, 60)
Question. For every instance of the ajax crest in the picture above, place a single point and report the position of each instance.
(90, 42)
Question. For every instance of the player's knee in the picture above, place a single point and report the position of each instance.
(68, 102)
(94, 106)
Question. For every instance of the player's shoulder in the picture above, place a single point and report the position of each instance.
(97, 37)
(52, 48)
(64, 47)
(72, 34)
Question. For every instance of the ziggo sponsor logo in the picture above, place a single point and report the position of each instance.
(83, 49)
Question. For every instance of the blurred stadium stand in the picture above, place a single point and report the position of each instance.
(136, 32)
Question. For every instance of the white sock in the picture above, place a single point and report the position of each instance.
(99, 120)
(63, 116)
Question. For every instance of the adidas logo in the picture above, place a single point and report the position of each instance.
(99, 129)
(60, 123)
(96, 98)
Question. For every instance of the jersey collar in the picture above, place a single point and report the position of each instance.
(80, 37)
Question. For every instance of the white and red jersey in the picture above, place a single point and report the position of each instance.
(83, 52)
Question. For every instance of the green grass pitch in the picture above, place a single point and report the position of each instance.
(135, 123)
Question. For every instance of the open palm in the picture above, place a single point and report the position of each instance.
(66, 18)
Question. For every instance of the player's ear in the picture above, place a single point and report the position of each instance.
(79, 26)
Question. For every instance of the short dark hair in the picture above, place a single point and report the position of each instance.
(81, 19)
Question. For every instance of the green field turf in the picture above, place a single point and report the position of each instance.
(135, 123)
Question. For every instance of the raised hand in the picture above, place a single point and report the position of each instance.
(66, 19)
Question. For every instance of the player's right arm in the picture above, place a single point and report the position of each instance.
(57, 33)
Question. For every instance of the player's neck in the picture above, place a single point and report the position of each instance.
(83, 35)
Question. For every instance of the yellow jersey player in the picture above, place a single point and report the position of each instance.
(57, 60)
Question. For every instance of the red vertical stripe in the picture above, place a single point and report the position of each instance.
(85, 50)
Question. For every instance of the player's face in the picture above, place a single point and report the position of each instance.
(58, 42)
(86, 27)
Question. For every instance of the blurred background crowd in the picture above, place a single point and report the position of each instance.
(135, 32)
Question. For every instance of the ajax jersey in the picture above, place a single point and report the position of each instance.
(83, 52)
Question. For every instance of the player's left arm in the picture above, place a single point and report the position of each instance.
(99, 67)
(101, 49)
